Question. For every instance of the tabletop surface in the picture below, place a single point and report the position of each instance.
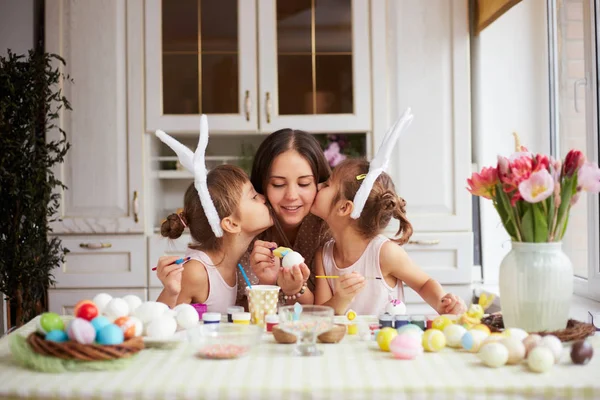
(352, 369)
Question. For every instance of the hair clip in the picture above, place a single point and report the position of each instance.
(361, 177)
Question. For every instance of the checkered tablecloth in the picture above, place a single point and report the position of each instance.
(351, 369)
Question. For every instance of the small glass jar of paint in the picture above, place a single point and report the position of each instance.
(241, 318)
(200, 309)
(418, 320)
(429, 321)
(211, 318)
(233, 310)
(400, 321)
(386, 321)
(271, 320)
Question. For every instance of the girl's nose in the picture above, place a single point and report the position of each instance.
(291, 192)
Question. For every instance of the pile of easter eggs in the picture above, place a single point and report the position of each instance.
(107, 320)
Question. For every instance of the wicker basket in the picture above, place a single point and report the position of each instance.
(84, 352)
(332, 336)
(575, 330)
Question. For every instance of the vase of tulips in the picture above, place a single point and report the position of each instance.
(533, 195)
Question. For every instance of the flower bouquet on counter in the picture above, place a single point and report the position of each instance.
(533, 193)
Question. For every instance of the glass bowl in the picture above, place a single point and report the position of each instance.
(306, 323)
(224, 341)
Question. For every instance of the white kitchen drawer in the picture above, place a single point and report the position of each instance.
(62, 301)
(103, 262)
(446, 257)
(159, 246)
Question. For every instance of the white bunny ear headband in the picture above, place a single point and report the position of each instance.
(380, 162)
(195, 163)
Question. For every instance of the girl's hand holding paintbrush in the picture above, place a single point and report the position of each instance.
(169, 270)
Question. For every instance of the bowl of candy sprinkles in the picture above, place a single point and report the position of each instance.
(224, 341)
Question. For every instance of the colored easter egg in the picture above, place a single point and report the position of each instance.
(186, 317)
(395, 307)
(292, 258)
(101, 300)
(100, 322)
(58, 336)
(454, 334)
(441, 322)
(554, 345)
(530, 342)
(133, 302)
(131, 326)
(472, 340)
(49, 321)
(111, 334)
(516, 349)
(81, 303)
(87, 310)
(581, 352)
(385, 337)
(406, 347)
(411, 329)
(162, 327)
(81, 331)
(116, 308)
(518, 333)
(482, 328)
(540, 359)
(493, 354)
(494, 337)
(433, 340)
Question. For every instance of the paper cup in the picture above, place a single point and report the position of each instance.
(262, 300)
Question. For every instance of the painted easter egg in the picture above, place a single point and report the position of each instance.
(454, 334)
(131, 326)
(406, 347)
(472, 340)
(49, 321)
(518, 333)
(441, 322)
(395, 307)
(86, 310)
(554, 345)
(81, 331)
(540, 359)
(292, 258)
(530, 342)
(101, 300)
(411, 329)
(133, 302)
(111, 334)
(385, 337)
(482, 328)
(516, 349)
(493, 355)
(100, 322)
(58, 336)
(433, 340)
(581, 352)
(494, 337)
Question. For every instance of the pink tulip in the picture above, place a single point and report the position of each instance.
(573, 161)
(539, 186)
(484, 183)
(588, 178)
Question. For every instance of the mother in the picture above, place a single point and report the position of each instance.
(287, 168)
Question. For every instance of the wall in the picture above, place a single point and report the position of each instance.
(16, 33)
(509, 94)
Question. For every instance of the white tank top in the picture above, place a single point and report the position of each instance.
(377, 293)
(220, 294)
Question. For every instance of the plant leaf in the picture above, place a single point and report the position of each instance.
(541, 223)
(527, 226)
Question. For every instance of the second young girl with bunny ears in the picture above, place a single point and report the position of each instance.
(358, 202)
(224, 214)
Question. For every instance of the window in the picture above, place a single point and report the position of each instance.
(573, 32)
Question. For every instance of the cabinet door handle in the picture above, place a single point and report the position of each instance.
(248, 105)
(268, 107)
(136, 206)
(95, 246)
(424, 242)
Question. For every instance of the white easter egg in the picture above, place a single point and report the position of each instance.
(116, 308)
(162, 327)
(554, 345)
(150, 310)
(493, 354)
(187, 317)
(540, 359)
(101, 300)
(292, 258)
(395, 307)
(133, 302)
(518, 333)
(516, 349)
(454, 334)
(531, 342)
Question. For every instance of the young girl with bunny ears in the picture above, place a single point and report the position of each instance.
(358, 202)
(223, 213)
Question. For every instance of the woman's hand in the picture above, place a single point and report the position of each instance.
(348, 286)
(452, 304)
(170, 274)
(292, 279)
(263, 263)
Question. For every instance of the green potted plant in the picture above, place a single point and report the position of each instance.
(29, 106)
(533, 195)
